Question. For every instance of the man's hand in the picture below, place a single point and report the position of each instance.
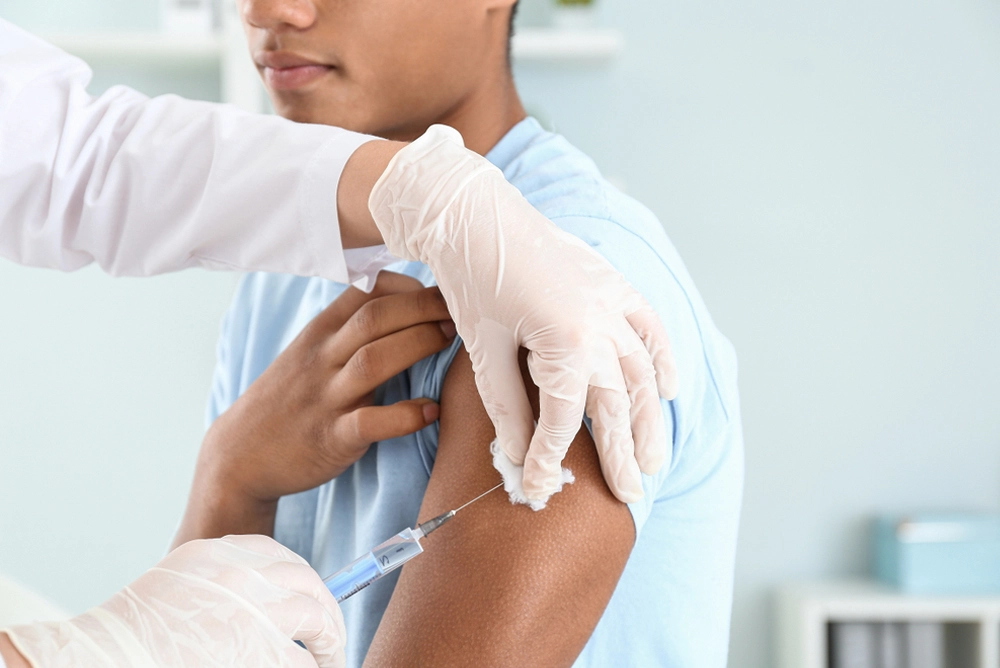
(512, 278)
(310, 415)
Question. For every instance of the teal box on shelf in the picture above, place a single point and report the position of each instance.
(939, 553)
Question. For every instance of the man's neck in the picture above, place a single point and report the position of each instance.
(487, 114)
(492, 107)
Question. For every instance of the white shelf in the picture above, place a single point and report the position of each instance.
(806, 610)
(240, 82)
(529, 44)
(532, 44)
(145, 46)
(226, 51)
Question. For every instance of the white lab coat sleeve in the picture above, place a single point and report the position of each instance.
(145, 186)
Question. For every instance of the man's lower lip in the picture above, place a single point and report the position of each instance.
(293, 77)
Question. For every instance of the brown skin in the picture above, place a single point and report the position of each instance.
(310, 415)
(363, 168)
(502, 583)
(395, 66)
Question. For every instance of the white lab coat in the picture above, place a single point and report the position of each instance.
(145, 186)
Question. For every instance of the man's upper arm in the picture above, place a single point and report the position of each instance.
(502, 585)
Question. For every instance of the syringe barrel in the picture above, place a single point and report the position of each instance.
(368, 568)
(354, 577)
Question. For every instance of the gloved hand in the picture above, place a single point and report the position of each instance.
(512, 278)
(234, 601)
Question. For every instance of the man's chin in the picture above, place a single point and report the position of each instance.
(302, 111)
(296, 111)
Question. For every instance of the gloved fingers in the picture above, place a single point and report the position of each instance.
(323, 635)
(647, 324)
(649, 432)
(560, 418)
(610, 418)
(292, 656)
(221, 558)
(501, 387)
(308, 613)
(248, 565)
(379, 423)
(241, 600)
(378, 318)
(300, 578)
(256, 545)
(300, 618)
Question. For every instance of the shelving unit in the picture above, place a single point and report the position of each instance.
(540, 44)
(805, 612)
(240, 82)
(142, 46)
(227, 50)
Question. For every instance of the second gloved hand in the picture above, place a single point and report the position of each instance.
(239, 601)
(512, 278)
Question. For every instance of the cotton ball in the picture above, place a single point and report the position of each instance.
(513, 479)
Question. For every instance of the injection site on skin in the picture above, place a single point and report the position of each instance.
(513, 479)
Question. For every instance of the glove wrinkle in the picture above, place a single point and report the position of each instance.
(512, 278)
(237, 601)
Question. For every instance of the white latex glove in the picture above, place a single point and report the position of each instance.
(512, 278)
(234, 601)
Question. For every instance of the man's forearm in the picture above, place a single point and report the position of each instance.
(363, 169)
(214, 511)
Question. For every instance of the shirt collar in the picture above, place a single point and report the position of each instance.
(513, 144)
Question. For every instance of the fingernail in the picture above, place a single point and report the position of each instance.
(431, 412)
(449, 329)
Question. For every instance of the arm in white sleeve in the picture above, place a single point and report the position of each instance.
(144, 186)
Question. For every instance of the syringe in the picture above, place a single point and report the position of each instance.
(388, 556)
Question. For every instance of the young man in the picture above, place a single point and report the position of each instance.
(588, 581)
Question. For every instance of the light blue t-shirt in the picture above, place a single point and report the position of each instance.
(672, 604)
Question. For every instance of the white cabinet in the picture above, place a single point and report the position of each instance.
(805, 613)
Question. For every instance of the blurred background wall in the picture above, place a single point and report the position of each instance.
(830, 174)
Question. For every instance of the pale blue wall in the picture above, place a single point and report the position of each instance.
(830, 174)
(72, 15)
(103, 382)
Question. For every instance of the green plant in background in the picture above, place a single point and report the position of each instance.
(574, 14)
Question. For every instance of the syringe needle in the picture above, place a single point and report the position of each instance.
(435, 522)
(478, 497)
